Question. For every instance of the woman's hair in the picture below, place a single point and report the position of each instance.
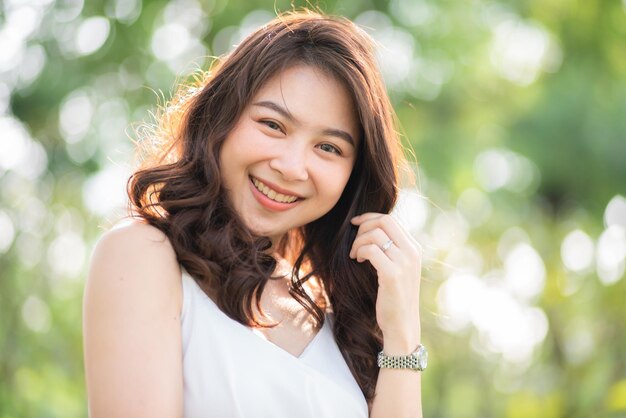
(179, 190)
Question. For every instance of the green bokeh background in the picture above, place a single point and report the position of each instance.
(515, 111)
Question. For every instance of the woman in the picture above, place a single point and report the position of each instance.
(262, 275)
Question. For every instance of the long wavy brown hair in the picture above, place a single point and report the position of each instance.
(179, 189)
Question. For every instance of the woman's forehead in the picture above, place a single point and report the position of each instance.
(309, 93)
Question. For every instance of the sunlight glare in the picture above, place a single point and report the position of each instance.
(251, 22)
(504, 325)
(525, 272)
(66, 255)
(455, 299)
(174, 44)
(464, 259)
(7, 232)
(125, 11)
(449, 230)
(507, 327)
(14, 144)
(411, 210)
(32, 65)
(498, 168)
(521, 50)
(67, 10)
(169, 41)
(395, 47)
(611, 254)
(91, 35)
(577, 251)
(492, 169)
(75, 116)
(188, 13)
(111, 122)
(19, 152)
(5, 99)
(105, 192)
(615, 212)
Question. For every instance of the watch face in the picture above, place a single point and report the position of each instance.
(422, 357)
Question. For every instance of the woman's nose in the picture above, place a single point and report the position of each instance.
(290, 162)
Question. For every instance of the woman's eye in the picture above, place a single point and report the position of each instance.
(272, 125)
(330, 148)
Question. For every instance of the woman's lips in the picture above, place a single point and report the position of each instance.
(274, 193)
(268, 203)
(277, 188)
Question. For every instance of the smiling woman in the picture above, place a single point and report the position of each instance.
(260, 274)
(297, 136)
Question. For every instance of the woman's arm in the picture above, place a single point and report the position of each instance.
(131, 326)
(398, 391)
(397, 258)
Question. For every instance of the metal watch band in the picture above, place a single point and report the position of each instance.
(415, 361)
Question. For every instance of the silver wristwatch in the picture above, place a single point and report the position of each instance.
(417, 360)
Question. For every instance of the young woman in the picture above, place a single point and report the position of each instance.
(261, 275)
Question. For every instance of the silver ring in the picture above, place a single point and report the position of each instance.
(386, 245)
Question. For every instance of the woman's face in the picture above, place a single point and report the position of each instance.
(289, 156)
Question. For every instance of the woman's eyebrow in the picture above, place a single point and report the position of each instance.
(287, 115)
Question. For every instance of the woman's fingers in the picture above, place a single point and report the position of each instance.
(371, 221)
(379, 260)
(376, 237)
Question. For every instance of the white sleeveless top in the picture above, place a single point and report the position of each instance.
(230, 370)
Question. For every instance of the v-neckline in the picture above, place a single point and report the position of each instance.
(307, 348)
(259, 335)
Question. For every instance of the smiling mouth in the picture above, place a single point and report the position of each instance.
(272, 194)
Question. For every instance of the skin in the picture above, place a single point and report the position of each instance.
(294, 134)
(398, 391)
(133, 294)
(399, 274)
(131, 325)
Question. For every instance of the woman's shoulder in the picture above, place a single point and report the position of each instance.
(131, 306)
(134, 229)
(134, 240)
(137, 253)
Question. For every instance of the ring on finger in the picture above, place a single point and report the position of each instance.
(386, 245)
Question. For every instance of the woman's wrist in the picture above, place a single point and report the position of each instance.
(401, 345)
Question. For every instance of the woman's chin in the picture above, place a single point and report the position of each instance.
(274, 236)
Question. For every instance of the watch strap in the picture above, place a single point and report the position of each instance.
(417, 360)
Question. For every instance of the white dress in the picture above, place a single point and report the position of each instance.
(230, 370)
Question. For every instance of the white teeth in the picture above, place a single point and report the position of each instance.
(272, 194)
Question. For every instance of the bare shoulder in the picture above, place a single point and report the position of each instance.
(131, 324)
(135, 259)
(135, 247)
(132, 235)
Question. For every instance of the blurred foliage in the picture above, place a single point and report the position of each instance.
(514, 110)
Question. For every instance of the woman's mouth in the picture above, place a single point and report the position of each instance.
(272, 194)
